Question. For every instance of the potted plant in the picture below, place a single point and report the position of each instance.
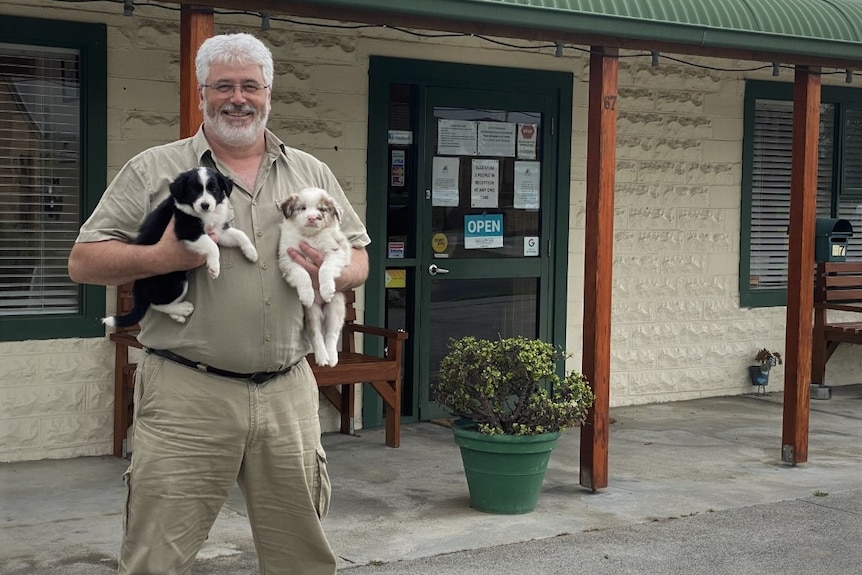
(513, 404)
(766, 360)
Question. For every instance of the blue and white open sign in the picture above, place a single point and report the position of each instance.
(483, 231)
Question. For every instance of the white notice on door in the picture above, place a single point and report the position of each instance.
(527, 185)
(456, 137)
(484, 192)
(531, 246)
(444, 186)
(497, 139)
(527, 141)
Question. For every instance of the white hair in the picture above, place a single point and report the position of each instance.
(242, 49)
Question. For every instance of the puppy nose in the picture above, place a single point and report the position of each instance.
(205, 206)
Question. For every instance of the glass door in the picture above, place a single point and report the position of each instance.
(484, 243)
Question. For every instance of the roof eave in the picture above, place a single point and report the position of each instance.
(515, 20)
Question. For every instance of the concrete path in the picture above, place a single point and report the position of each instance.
(695, 486)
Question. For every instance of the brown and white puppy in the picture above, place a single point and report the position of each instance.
(313, 216)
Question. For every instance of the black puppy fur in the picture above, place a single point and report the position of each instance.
(197, 204)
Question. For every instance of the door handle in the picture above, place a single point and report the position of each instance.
(433, 270)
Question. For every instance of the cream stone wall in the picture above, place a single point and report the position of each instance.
(678, 331)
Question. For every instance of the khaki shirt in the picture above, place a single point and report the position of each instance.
(248, 319)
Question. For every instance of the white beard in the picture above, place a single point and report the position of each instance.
(219, 127)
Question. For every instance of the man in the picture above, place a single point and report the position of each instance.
(196, 433)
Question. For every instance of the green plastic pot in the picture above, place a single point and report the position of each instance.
(504, 472)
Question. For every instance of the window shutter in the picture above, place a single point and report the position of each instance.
(40, 178)
(770, 205)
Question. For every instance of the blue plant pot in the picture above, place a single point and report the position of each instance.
(758, 377)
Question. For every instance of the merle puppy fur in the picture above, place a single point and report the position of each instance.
(313, 216)
(199, 205)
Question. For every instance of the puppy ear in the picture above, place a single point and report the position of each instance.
(225, 183)
(289, 205)
(331, 204)
(179, 183)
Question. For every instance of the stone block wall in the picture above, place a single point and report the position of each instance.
(678, 331)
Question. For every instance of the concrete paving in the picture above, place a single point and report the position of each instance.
(695, 487)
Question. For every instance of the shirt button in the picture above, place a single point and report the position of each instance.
(264, 266)
(268, 301)
(254, 202)
(259, 233)
(268, 337)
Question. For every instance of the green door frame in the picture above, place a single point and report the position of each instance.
(385, 71)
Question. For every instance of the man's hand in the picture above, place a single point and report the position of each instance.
(114, 262)
(309, 258)
(175, 255)
(351, 276)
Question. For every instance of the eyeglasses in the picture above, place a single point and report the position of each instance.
(248, 88)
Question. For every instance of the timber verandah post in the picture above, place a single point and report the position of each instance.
(800, 265)
(598, 261)
(196, 25)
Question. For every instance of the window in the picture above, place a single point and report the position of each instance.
(52, 170)
(766, 181)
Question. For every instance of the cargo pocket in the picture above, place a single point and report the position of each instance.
(145, 374)
(322, 486)
(127, 480)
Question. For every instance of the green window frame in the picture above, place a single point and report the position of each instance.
(767, 146)
(53, 165)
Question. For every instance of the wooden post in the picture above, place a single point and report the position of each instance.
(800, 265)
(598, 261)
(196, 25)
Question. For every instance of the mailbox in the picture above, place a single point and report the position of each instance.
(830, 242)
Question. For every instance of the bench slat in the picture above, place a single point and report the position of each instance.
(844, 294)
(837, 287)
(842, 267)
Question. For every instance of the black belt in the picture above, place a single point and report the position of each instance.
(258, 377)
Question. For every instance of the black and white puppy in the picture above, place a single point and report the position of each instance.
(199, 205)
(313, 216)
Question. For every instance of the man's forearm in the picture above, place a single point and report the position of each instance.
(112, 262)
(355, 274)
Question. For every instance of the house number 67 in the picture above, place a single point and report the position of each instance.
(610, 102)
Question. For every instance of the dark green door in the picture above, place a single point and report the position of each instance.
(484, 252)
(476, 210)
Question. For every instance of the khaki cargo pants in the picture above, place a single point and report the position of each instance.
(194, 436)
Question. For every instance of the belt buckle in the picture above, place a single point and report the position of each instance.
(262, 377)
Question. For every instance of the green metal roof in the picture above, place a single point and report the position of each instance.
(827, 29)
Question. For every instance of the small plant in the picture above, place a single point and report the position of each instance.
(510, 386)
(767, 359)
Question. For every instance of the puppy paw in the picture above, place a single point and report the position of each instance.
(327, 290)
(180, 311)
(213, 269)
(321, 359)
(250, 253)
(306, 296)
(333, 359)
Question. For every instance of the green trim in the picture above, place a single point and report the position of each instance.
(563, 200)
(91, 41)
(810, 28)
(759, 89)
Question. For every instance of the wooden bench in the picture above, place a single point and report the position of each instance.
(837, 287)
(382, 372)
